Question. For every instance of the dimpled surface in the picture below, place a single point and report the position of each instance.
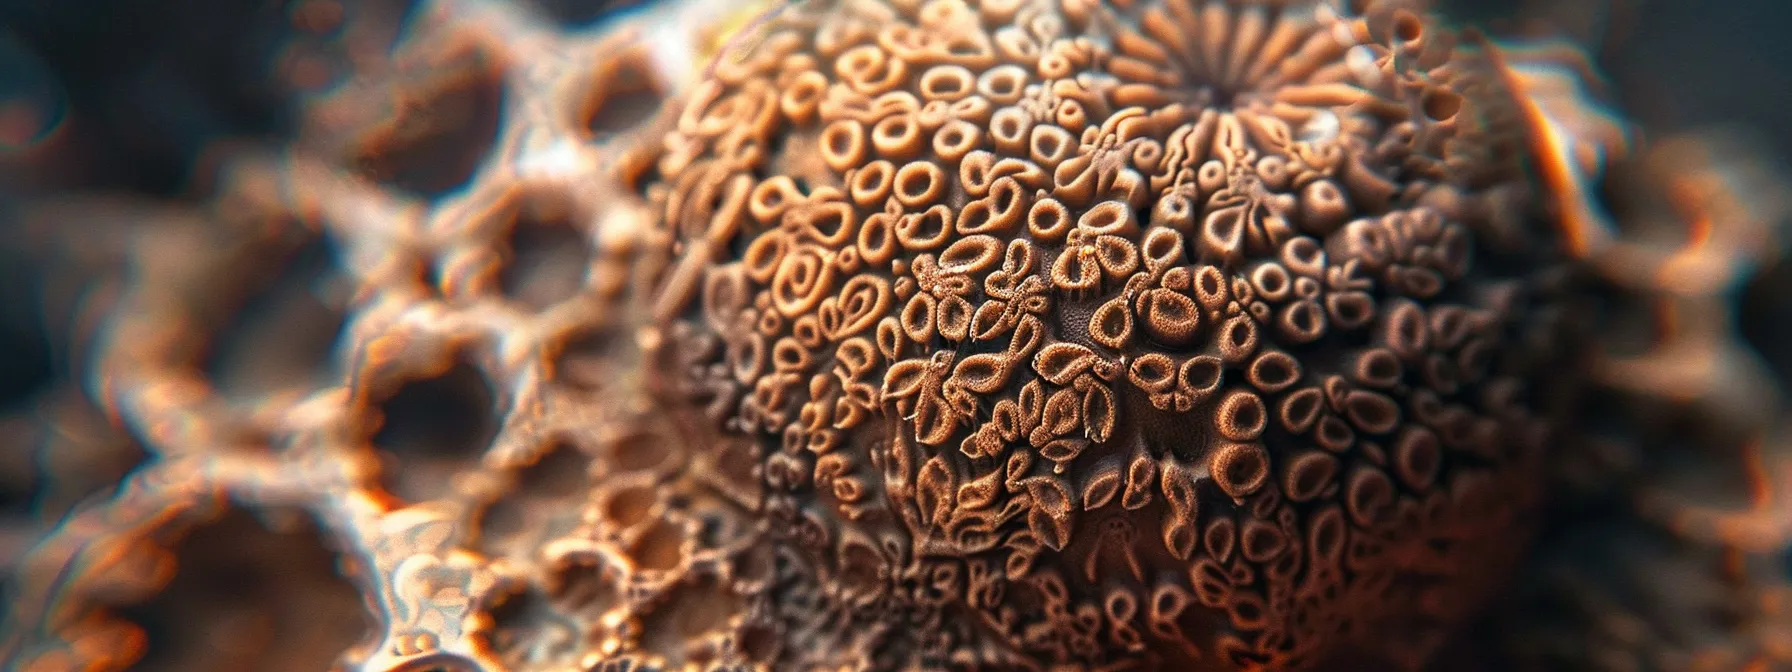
(391, 395)
(1198, 335)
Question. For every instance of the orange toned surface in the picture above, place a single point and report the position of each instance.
(1007, 334)
(1201, 335)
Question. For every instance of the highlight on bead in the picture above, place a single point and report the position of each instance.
(1179, 255)
(1269, 335)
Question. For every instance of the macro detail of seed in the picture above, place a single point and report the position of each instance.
(1203, 334)
(1209, 335)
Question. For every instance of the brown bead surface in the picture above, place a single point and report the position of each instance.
(1217, 308)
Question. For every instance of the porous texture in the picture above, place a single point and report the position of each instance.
(368, 383)
(545, 348)
(1203, 335)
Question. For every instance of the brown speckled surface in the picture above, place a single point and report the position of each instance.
(449, 370)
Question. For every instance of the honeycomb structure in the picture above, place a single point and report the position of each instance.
(887, 334)
(388, 361)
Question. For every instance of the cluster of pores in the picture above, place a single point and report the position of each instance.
(1177, 330)
(962, 334)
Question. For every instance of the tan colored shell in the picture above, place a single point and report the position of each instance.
(1168, 330)
(396, 381)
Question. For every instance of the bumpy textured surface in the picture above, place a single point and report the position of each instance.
(1011, 334)
(1210, 335)
(402, 343)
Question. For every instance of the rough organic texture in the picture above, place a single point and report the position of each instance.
(373, 377)
(1208, 335)
(1008, 334)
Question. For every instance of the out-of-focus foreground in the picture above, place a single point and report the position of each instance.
(333, 342)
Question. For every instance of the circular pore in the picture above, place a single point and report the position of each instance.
(1202, 334)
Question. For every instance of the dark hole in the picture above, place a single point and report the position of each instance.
(499, 522)
(1240, 469)
(1441, 105)
(456, 667)
(1407, 27)
(284, 336)
(25, 368)
(1247, 415)
(245, 597)
(434, 427)
(548, 262)
(441, 132)
(561, 472)
(526, 623)
(629, 100)
(545, 504)
(572, 13)
(1766, 319)
(759, 643)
